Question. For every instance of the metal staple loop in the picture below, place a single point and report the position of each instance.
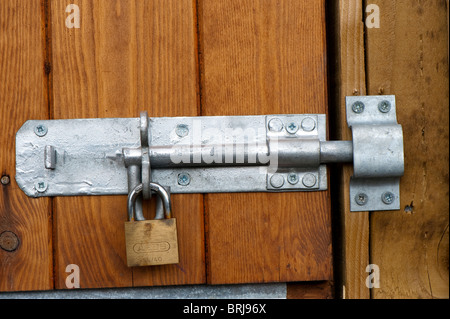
(145, 165)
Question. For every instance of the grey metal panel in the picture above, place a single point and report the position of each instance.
(245, 291)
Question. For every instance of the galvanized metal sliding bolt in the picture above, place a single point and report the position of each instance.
(272, 153)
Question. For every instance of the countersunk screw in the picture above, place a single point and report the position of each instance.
(40, 130)
(309, 180)
(292, 178)
(277, 180)
(182, 130)
(5, 180)
(388, 198)
(358, 107)
(41, 186)
(361, 199)
(275, 125)
(184, 179)
(384, 106)
(292, 128)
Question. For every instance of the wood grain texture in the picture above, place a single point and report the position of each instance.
(128, 56)
(310, 290)
(348, 78)
(22, 96)
(408, 57)
(265, 57)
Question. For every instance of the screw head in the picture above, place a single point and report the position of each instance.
(309, 180)
(184, 179)
(275, 125)
(277, 180)
(41, 186)
(40, 130)
(292, 178)
(292, 128)
(384, 106)
(361, 199)
(9, 241)
(358, 107)
(5, 180)
(308, 124)
(388, 198)
(182, 130)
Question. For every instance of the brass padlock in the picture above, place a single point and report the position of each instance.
(151, 242)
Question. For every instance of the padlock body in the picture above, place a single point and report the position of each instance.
(151, 242)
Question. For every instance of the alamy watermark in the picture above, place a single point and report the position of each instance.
(73, 19)
(373, 17)
(373, 280)
(73, 279)
(212, 145)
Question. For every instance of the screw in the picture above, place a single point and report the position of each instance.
(292, 128)
(184, 179)
(40, 130)
(182, 130)
(41, 186)
(292, 178)
(277, 180)
(5, 180)
(275, 125)
(388, 198)
(309, 180)
(361, 199)
(9, 241)
(308, 124)
(384, 106)
(358, 107)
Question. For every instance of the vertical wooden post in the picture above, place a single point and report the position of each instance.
(408, 56)
(348, 78)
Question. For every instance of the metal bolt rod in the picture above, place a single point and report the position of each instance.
(243, 155)
(336, 152)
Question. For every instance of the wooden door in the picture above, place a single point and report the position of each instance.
(171, 58)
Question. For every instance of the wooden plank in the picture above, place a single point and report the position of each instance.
(310, 290)
(265, 57)
(127, 56)
(408, 57)
(25, 223)
(347, 72)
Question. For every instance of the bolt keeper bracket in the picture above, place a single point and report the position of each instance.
(378, 160)
(214, 154)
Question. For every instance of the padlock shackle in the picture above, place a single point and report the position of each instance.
(160, 190)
